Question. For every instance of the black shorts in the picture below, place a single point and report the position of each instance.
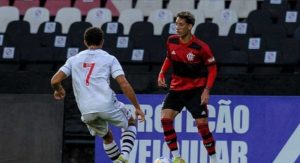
(191, 99)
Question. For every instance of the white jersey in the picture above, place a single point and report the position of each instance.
(91, 71)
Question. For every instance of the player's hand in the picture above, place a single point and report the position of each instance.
(60, 94)
(205, 96)
(140, 114)
(161, 82)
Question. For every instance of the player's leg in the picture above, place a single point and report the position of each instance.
(98, 126)
(110, 147)
(122, 117)
(171, 107)
(128, 138)
(200, 114)
(207, 138)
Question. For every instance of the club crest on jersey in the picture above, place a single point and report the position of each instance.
(173, 52)
(190, 56)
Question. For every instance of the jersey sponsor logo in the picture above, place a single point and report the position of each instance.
(190, 56)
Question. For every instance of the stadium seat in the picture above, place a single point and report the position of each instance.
(239, 34)
(221, 46)
(141, 82)
(147, 6)
(36, 16)
(85, 5)
(143, 40)
(211, 7)
(233, 62)
(47, 32)
(275, 8)
(291, 20)
(168, 30)
(224, 19)
(259, 20)
(257, 54)
(54, 5)
(76, 33)
(297, 33)
(66, 16)
(17, 33)
(23, 5)
(9, 59)
(7, 14)
(98, 16)
(117, 6)
(291, 51)
(128, 17)
(207, 31)
(113, 32)
(243, 7)
(199, 18)
(159, 18)
(183, 5)
(4, 2)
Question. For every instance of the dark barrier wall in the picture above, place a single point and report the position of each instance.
(31, 128)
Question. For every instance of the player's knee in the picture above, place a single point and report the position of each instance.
(108, 138)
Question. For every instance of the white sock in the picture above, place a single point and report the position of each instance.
(112, 150)
(213, 158)
(175, 153)
(128, 138)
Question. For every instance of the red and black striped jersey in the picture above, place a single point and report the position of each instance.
(190, 63)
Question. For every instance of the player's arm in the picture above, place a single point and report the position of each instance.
(130, 94)
(59, 92)
(161, 76)
(212, 73)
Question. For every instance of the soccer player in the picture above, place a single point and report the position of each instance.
(194, 73)
(91, 70)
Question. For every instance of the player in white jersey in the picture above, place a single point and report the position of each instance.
(91, 70)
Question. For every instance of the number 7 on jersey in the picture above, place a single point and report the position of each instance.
(90, 67)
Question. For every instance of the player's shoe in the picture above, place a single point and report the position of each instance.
(121, 159)
(178, 160)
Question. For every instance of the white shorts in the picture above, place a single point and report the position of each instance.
(97, 123)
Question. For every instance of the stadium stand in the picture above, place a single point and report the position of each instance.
(290, 20)
(276, 9)
(128, 17)
(207, 31)
(4, 2)
(77, 29)
(98, 16)
(143, 41)
(259, 20)
(177, 6)
(159, 18)
(85, 5)
(224, 19)
(147, 6)
(199, 18)
(23, 5)
(8, 14)
(54, 5)
(36, 16)
(243, 7)
(66, 16)
(117, 6)
(211, 7)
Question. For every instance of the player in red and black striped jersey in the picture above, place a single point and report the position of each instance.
(194, 73)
